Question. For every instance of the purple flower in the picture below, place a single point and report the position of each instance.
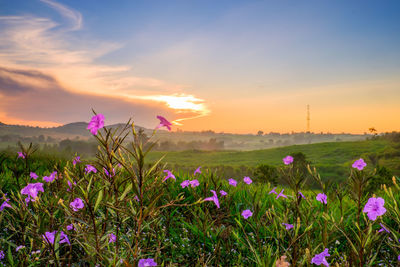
(50, 178)
(64, 238)
(96, 123)
(70, 185)
(273, 191)
(19, 247)
(112, 238)
(232, 182)
(136, 198)
(169, 175)
(77, 204)
(5, 204)
(301, 195)
(374, 208)
(383, 229)
(281, 195)
(194, 183)
(147, 262)
(223, 193)
(320, 258)
(359, 164)
(70, 227)
(2, 255)
(213, 198)
(33, 175)
(21, 155)
(164, 122)
(32, 191)
(89, 169)
(185, 183)
(398, 258)
(109, 174)
(76, 160)
(288, 226)
(321, 197)
(246, 214)
(50, 236)
(247, 180)
(287, 160)
(197, 171)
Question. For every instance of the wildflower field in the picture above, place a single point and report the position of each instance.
(124, 210)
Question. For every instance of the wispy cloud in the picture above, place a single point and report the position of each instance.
(51, 49)
(74, 16)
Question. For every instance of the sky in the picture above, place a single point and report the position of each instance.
(228, 66)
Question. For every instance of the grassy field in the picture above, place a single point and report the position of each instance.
(334, 153)
(131, 213)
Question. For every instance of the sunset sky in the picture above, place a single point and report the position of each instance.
(232, 66)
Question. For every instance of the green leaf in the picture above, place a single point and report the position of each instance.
(98, 200)
(126, 191)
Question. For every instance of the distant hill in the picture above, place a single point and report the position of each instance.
(76, 128)
(174, 140)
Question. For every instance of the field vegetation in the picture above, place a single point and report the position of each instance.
(128, 207)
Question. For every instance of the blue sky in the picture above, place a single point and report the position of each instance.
(210, 64)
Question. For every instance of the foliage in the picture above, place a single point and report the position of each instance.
(130, 213)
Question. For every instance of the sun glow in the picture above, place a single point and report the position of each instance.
(181, 103)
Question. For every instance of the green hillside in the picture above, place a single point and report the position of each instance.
(332, 159)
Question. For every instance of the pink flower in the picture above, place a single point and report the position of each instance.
(169, 175)
(359, 164)
(32, 191)
(96, 123)
(33, 175)
(213, 198)
(50, 178)
(70, 227)
(76, 160)
(322, 198)
(89, 169)
(194, 183)
(319, 259)
(185, 183)
(21, 155)
(288, 226)
(5, 204)
(50, 236)
(77, 204)
(246, 214)
(383, 229)
(281, 195)
(287, 160)
(146, 263)
(232, 182)
(197, 171)
(273, 191)
(301, 195)
(164, 122)
(109, 174)
(374, 208)
(247, 180)
(19, 247)
(70, 185)
(112, 238)
(223, 193)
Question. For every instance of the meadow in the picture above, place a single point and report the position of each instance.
(128, 207)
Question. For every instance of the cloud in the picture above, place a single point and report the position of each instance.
(74, 16)
(33, 49)
(41, 97)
